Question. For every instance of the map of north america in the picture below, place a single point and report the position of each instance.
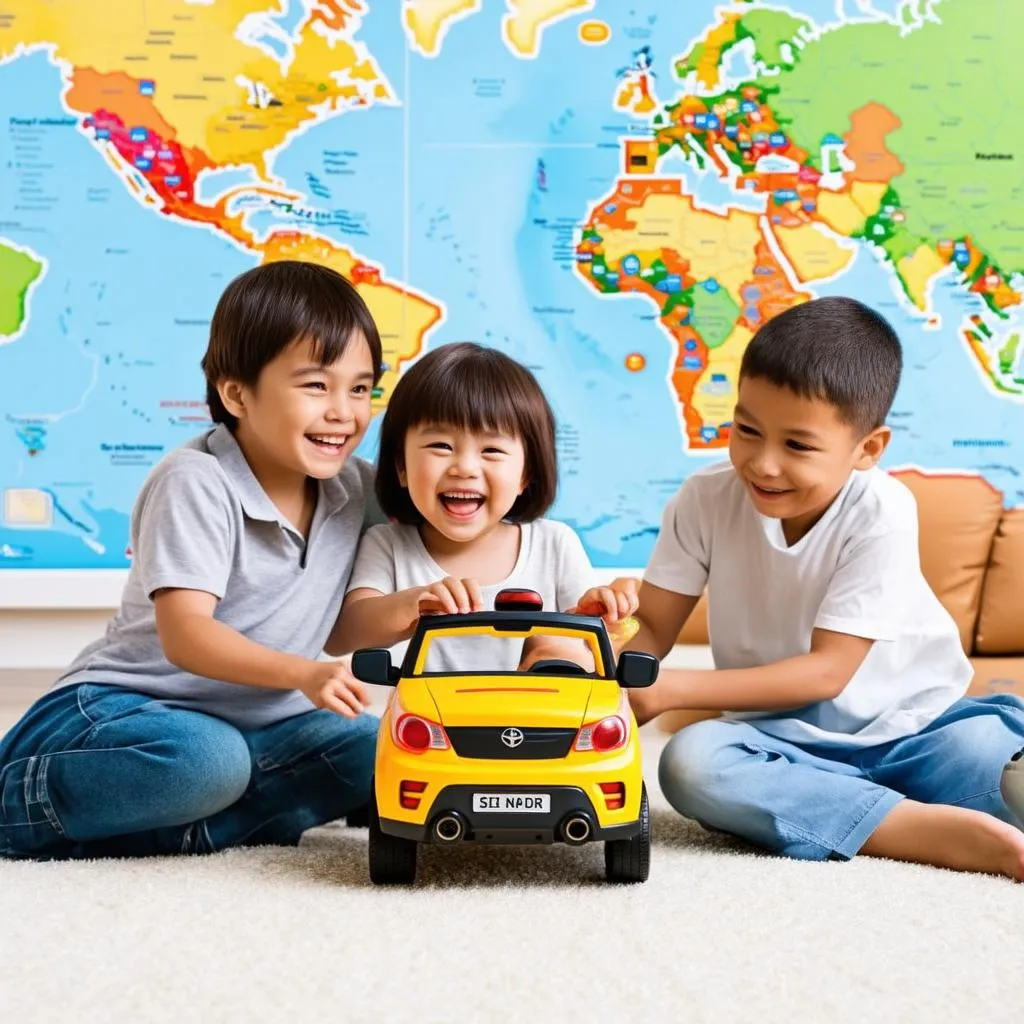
(617, 195)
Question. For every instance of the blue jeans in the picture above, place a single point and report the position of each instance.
(95, 771)
(820, 803)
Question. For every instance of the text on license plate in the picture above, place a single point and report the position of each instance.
(538, 803)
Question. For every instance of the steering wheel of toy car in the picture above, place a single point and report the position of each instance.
(557, 667)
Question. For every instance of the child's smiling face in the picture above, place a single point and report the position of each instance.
(794, 453)
(462, 482)
(302, 418)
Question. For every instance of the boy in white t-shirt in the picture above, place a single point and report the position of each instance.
(846, 730)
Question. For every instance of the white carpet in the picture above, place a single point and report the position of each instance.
(718, 933)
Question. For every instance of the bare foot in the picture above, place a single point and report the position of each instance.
(949, 837)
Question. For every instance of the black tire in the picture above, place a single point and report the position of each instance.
(358, 817)
(392, 859)
(629, 860)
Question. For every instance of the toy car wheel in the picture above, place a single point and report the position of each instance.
(392, 859)
(358, 817)
(629, 860)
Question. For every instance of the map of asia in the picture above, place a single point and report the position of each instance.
(615, 193)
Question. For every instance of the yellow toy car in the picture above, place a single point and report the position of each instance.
(548, 755)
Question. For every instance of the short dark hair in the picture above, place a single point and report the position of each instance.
(834, 349)
(267, 308)
(469, 387)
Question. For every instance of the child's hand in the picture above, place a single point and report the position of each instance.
(618, 600)
(331, 685)
(451, 596)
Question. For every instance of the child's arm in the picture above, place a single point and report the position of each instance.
(184, 544)
(660, 613)
(370, 618)
(819, 675)
(193, 640)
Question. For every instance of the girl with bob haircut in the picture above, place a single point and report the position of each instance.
(467, 469)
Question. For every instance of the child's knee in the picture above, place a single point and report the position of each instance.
(200, 766)
(690, 770)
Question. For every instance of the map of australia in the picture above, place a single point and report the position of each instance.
(616, 195)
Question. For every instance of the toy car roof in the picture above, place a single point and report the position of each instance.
(522, 619)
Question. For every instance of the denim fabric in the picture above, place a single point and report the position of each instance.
(815, 804)
(94, 770)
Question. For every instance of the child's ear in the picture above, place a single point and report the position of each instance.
(403, 479)
(232, 396)
(872, 448)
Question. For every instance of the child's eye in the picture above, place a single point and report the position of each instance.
(361, 389)
(440, 446)
(495, 451)
(747, 431)
(317, 385)
(797, 446)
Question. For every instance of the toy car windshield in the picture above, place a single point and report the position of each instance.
(517, 619)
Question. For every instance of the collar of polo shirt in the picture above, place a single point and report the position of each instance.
(255, 502)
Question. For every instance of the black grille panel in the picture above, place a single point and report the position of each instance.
(486, 742)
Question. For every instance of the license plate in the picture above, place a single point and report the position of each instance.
(530, 803)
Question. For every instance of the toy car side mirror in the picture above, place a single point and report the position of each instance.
(373, 665)
(636, 669)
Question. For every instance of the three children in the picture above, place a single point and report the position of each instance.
(204, 718)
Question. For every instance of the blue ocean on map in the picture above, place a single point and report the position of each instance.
(469, 187)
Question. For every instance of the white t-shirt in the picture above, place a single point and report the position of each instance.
(857, 571)
(551, 561)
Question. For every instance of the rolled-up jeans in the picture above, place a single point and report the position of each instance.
(93, 771)
(819, 803)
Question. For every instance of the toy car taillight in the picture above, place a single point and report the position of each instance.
(607, 734)
(417, 734)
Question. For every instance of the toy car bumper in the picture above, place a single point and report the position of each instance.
(510, 815)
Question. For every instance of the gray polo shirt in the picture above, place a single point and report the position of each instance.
(203, 522)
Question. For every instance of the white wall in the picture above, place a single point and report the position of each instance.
(47, 639)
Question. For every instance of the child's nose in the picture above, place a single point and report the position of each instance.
(766, 464)
(341, 408)
(466, 464)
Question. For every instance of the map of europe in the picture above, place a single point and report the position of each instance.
(617, 194)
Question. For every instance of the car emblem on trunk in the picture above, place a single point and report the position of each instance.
(512, 737)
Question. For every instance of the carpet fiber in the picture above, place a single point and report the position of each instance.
(718, 933)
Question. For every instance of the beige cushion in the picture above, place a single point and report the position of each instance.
(1001, 622)
(958, 517)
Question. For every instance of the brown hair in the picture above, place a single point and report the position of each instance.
(469, 387)
(267, 308)
(833, 349)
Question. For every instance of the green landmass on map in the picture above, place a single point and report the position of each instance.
(18, 272)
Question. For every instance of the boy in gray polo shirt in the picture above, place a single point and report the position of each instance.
(203, 719)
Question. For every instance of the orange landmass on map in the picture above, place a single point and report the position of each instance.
(774, 292)
(335, 13)
(94, 90)
(653, 222)
(865, 143)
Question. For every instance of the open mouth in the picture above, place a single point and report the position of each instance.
(331, 445)
(769, 493)
(462, 504)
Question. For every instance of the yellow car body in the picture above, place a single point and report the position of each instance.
(502, 757)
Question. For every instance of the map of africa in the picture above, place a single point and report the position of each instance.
(616, 194)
